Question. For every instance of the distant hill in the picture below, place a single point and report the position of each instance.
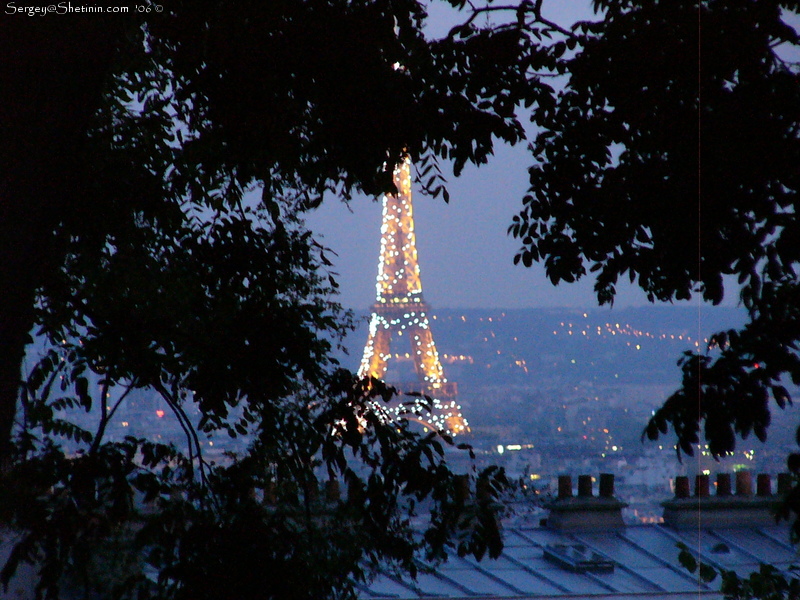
(526, 346)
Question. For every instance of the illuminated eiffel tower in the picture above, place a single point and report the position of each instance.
(400, 310)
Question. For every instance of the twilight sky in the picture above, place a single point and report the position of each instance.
(465, 256)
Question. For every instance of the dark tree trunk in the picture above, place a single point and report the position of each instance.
(16, 319)
(52, 73)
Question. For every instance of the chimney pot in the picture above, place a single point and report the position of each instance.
(584, 486)
(725, 510)
(681, 486)
(586, 512)
(744, 483)
(701, 485)
(723, 484)
(606, 485)
(564, 486)
(763, 485)
(784, 483)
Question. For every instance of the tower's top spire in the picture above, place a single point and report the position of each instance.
(398, 269)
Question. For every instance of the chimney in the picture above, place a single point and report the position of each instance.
(724, 509)
(564, 487)
(763, 485)
(701, 486)
(784, 483)
(744, 483)
(723, 485)
(682, 487)
(586, 511)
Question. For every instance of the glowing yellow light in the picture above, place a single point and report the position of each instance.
(398, 283)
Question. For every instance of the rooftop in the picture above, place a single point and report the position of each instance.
(557, 558)
(644, 559)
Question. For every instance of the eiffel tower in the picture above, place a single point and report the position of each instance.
(400, 310)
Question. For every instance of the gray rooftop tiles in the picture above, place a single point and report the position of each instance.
(645, 561)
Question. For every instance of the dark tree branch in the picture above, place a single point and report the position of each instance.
(106, 415)
(525, 7)
(188, 429)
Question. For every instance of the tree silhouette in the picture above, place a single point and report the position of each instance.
(128, 241)
(129, 148)
(670, 158)
(127, 119)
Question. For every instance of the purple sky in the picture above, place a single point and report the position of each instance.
(465, 255)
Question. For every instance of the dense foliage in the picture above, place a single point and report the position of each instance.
(667, 152)
(326, 493)
(162, 250)
(201, 102)
(670, 157)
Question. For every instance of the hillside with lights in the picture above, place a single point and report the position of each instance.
(547, 390)
(554, 346)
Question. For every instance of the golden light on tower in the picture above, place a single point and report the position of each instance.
(400, 309)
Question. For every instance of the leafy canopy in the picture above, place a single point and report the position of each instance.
(185, 271)
(670, 157)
